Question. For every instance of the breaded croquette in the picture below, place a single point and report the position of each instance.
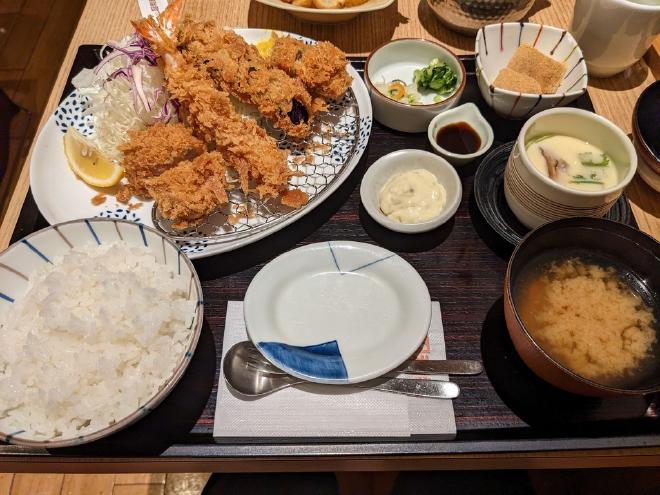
(321, 67)
(188, 192)
(152, 151)
(238, 68)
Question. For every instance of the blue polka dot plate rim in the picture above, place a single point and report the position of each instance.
(61, 196)
(337, 312)
(21, 259)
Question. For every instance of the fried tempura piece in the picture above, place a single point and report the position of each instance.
(152, 151)
(320, 67)
(191, 190)
(238, 68)
(244, 145)
(294, 198)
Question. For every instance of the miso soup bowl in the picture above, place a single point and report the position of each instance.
(536, 199)
(635, 252)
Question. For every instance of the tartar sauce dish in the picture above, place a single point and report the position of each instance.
(411, 191)
(414, 196)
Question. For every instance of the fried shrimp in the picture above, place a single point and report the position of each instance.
(321, 67)
(209, 111)
(238, 68)
(191, 190)
(150, 152)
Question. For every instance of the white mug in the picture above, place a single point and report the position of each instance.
(614, 34)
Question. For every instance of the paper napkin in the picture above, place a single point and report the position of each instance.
(342, 411)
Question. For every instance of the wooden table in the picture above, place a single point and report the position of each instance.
(613, 98)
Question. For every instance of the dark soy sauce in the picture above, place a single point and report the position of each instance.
(459, 138)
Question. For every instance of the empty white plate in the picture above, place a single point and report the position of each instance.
(337, 312)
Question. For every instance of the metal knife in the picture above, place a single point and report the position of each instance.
(418, 388)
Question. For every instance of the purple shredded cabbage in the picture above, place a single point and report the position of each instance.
(137, 49)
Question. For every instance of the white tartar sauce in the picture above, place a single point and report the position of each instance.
(415, 196)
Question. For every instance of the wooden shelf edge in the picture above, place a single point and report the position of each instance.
(537, 460)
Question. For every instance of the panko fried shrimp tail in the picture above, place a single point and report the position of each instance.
(244, 145)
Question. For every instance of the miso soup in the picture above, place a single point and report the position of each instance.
(584, 312)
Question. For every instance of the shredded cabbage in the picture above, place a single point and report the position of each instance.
(127, 92)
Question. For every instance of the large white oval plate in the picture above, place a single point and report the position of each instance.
(61, 196)
(337, 312)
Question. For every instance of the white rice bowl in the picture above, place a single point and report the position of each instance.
(96, 336)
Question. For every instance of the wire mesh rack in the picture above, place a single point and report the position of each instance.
(320, 159)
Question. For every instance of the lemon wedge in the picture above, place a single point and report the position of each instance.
(265, 46)
(88, 163)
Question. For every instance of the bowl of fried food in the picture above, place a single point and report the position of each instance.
(582, 307)
(327, 11)
(525, 68)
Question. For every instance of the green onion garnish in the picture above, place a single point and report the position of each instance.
(437, 76)
(537, 139)
(590, 159)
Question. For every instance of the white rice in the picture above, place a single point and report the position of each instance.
(94, 338)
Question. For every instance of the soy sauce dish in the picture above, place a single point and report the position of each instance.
(460, 135)
(411, 191)
(410, 81)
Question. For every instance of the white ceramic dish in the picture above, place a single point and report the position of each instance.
(337, 312)
(402, 161)
(536, 199)
(20, 259)
(398, 59)
(328, 16)
(494, 47)
(61, 196)
(614, 34)
(470, 114)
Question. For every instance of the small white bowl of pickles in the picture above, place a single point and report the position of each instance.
(411, 81)
(565, 163)
(411, 191)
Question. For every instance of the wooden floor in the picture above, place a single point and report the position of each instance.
(34, 36)
(102, 484)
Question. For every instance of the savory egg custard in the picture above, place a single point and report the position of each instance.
(572, 162)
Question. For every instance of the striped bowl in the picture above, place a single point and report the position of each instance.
(19, 260)
(494, 47)
(536, 199)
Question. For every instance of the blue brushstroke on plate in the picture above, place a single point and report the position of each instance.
(317, 361)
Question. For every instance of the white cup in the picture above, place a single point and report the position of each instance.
(614, 34)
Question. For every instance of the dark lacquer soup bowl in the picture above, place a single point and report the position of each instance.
(636, 257)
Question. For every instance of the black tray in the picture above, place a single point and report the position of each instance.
(462, 263)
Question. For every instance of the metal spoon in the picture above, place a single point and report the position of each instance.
(243, 374)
